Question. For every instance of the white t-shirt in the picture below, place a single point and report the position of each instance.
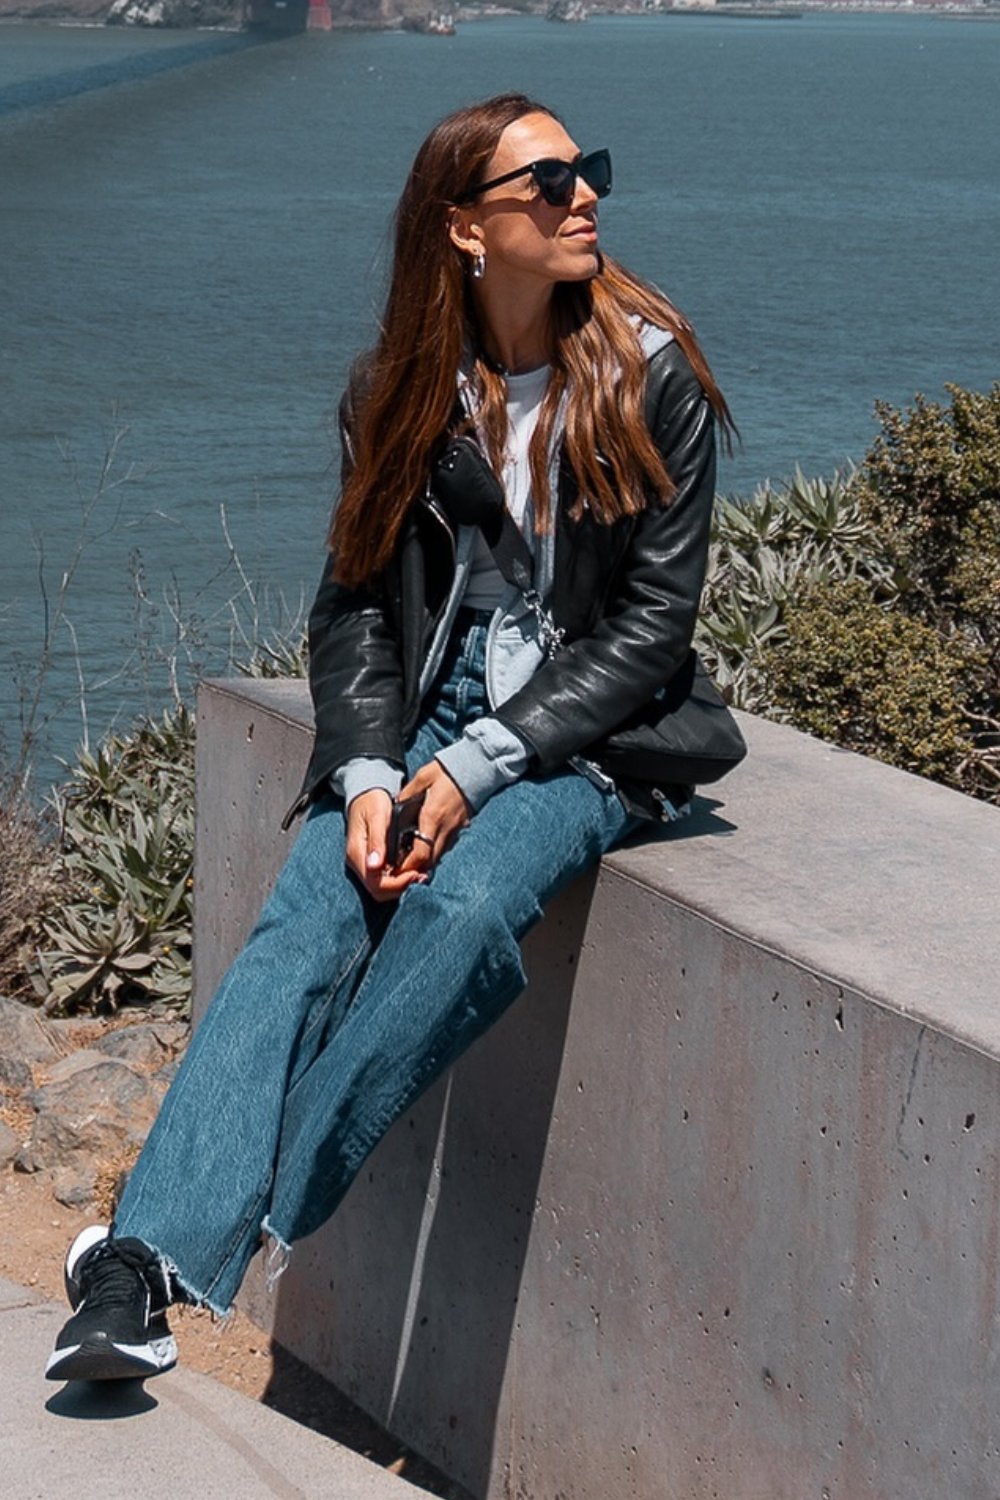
(525, 393)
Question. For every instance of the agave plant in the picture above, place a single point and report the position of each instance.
(98, 960)
(277, 656)
(765, 553)
(126, 813)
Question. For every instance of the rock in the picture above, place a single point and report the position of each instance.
(186, 13)
(75, 1186)
(137, 13)
(165, 1076)
(24, 1035)
(14, 1073)
(71, 1032)
(65, 1067)
(96, 1110)
(9, 1145)
(94, 1104)
(145, 1047)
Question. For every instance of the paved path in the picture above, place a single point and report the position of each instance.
(181, 1436)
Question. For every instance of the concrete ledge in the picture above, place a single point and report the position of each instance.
(715, 1210)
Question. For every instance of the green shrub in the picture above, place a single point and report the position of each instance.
(931, 486)
(873, 680)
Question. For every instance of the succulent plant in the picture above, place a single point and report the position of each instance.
(126, 816)
(766, 552)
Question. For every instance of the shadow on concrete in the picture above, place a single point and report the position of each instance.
(703, 821)
(302, 1395)
(101, 1400)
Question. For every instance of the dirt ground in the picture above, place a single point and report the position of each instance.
(34, 1232)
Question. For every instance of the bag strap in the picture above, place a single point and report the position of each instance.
(472, 496)
(516, 565)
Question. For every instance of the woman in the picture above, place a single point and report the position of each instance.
(369, 973)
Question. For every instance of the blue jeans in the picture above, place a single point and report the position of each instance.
(340, 1010)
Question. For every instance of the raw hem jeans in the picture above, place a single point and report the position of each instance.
(340, 1010)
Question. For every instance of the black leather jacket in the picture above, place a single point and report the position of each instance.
(625, 596)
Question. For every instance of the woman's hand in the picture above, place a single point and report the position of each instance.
(367, 827)
(444, 814)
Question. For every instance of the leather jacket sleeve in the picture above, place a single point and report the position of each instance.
(644, 634)
(355, 674)
(355, 677)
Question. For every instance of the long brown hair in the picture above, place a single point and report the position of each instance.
(410, 392)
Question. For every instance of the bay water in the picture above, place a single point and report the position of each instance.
(194, 235)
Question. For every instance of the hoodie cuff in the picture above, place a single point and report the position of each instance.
(487, 757)
(363, 774)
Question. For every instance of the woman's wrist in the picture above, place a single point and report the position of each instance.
(487, 757)
(365, 773)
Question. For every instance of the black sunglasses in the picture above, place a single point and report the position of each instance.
(556, 180)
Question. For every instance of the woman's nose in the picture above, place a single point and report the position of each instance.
(584, 196)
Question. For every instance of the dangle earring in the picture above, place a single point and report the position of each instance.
(479, 265)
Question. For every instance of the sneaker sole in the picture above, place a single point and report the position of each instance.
(97, 1358)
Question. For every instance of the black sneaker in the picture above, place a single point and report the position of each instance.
(119, 1331)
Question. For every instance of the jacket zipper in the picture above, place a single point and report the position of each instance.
(433, 506)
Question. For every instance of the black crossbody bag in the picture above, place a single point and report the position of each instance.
(685, 736)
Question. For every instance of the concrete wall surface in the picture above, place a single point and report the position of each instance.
(714, 1211)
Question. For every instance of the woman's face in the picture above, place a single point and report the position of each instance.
(522, 235)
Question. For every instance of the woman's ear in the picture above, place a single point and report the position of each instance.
(464, 233)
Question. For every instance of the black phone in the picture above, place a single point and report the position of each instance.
(402, 827)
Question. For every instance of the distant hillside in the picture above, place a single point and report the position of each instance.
(169, 13)
(153, 12)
